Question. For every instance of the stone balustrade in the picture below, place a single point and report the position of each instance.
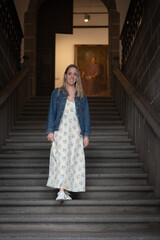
(131, 26)
(10, 26)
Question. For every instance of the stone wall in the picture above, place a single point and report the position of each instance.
(142, 69)
(10, 42)
(142, 66)
(7, 68)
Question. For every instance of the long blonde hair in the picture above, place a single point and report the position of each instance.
(78, 84)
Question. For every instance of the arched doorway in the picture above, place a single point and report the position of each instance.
(31, 30)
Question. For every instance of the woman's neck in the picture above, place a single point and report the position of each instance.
(71, 89)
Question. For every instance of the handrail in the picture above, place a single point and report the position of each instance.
(145, 108)
(12, 100)
(13, 84)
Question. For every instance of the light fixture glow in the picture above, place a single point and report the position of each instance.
(86, 18)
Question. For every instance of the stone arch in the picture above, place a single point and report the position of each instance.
(30, 33)
(114, 33)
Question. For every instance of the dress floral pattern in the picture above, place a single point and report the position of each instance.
(67, 159)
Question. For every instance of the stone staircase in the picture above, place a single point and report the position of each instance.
(118, 204)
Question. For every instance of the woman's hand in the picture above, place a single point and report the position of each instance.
(86, 142)
(50, 137)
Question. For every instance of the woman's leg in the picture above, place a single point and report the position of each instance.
(61, 195)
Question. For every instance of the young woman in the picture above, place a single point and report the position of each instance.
(68, 129)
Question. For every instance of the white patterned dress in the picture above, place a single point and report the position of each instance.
(67, 159)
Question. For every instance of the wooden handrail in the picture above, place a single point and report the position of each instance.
(145, 108)
(13, 84)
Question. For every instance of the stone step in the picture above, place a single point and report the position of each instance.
(29, 111)
(39, 108)
(43, 206)
(39, 158)
(21, 159)
(106, 104)
(93, 100)
(27, 131)
(114, 128)
(29, 136)
(91, 179)
(34, 122)
(94, 118)
(36, 131)
(90, 153)
(92, 106)
(90, 101)
(99, 128)
(46, 145)
(19, 138)
(150, 234)
(122, 192)
(6, 168)
(79, 222)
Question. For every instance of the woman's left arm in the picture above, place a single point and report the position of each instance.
(85, 142)
(87, 121)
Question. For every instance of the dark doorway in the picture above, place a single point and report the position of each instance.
(53, 17)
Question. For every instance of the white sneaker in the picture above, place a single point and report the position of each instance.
(67, 196)
(60, 196)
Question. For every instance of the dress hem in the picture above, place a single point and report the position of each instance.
(66, 189)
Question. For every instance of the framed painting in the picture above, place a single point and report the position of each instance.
(92, 60)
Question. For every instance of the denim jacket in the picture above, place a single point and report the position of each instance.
(56, 109)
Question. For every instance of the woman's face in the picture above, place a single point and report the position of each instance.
(71, 76)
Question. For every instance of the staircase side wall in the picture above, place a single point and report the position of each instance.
(142, 68)
(10, 42)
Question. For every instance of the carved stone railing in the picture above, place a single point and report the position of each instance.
(10, 25)
(12, 101)
(131, 25)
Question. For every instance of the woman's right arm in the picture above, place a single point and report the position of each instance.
(50, 137)
(52, 115)
(87, 121)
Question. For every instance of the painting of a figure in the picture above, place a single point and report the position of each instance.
(92, 60)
